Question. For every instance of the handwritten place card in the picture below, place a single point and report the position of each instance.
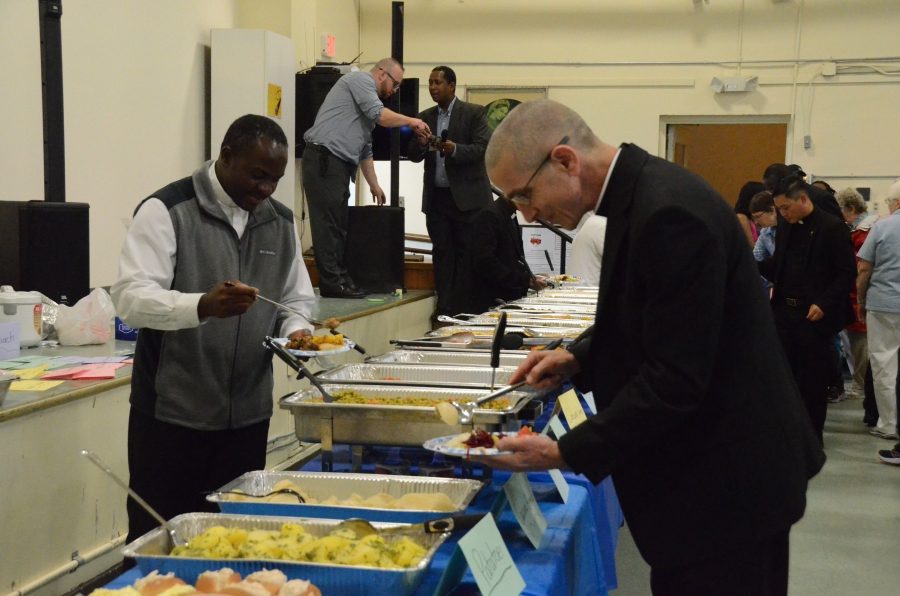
(9, 341)
(524, 505)
(31, 373)
(493, 567)
(558, 479)
(589, 399)
(572, 408)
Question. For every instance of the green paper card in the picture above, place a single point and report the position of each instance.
(524, 505)
(495, 572)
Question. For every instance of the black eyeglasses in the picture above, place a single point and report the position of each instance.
(520, 199)
(396, 84)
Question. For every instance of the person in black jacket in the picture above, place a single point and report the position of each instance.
(455, 184)
(495, 261)
(813, 270)
(699, 422)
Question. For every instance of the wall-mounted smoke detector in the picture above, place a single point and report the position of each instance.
(733, 84)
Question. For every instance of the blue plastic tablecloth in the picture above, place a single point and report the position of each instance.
(567, 562)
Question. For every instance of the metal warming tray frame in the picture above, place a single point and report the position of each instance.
(151, 551)
(417, 375)
(447, 358)
(395, 426)
(322, 485)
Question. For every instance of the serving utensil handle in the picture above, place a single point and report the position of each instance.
(457, 523)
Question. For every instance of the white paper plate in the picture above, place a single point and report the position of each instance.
(440, 444)
(348, 345)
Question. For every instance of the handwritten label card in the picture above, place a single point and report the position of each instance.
(572, 408)
(524, 505)
(558, 431)
(9, 341)
(589, 400)
(493, 567)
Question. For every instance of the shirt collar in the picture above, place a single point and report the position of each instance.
(612, 164)
(218, 190)
(449, 108)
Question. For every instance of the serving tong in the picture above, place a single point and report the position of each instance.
(174, 538)
(295, 363)
(452, 524)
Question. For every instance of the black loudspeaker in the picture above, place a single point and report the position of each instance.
(45, 247)
(409, 106)
(374, 250)
(312, 88)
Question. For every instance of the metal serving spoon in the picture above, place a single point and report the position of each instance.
(456, 523)
(173, 537)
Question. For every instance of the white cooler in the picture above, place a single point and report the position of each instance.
(24, 308)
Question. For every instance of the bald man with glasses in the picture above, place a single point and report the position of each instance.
(699, 422)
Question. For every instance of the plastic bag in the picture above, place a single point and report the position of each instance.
(88, 322)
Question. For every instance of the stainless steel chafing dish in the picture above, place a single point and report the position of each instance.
(417, 375)
(481, 330)
(403, 426)
(448, 358)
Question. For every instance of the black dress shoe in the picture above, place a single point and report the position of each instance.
(357, 288)
(341, 292)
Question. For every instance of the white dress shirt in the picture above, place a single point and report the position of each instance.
(147, 269)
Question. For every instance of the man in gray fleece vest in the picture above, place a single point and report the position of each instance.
(198, 252)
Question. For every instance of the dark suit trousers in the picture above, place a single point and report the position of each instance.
(448, 227)
(172, 466)
(810, 355)
(760, 570)
(326, 182)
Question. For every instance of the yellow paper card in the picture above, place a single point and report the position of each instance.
(33, 385)
(31, 373)
(572, 408)
(274, 103)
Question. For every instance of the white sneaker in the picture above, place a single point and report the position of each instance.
(885, 433)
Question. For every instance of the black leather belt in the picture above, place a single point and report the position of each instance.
(794, 302)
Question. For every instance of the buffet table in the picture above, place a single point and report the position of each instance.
(569, 560)
(64, 516)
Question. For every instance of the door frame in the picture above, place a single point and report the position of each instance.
(665, 121)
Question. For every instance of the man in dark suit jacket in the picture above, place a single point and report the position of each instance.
(699, 422)
(813, 270)
(455, 185)
(495, 261)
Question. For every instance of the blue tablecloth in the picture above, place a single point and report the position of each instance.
(568, 561)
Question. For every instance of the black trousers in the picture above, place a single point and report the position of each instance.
(811, 355)
(448, 227)
(326, 182)
(172, 466)
(760, 570)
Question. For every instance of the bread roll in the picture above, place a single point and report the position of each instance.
(271, 580)
(213, 582)
(155, 584)
(246, 588)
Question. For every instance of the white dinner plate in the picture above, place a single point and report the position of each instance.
(441, 445)
(348, 345)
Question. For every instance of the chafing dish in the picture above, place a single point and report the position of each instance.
(464, 358)
(151, 551)
(416, 375)
(322, 485)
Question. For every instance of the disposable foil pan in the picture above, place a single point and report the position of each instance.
(525, 321)
(417, 374)
(365, 424)
(574, 300)
(548, 308)
(482, 358)
(545, 332)
(151, 551)
(322, 485)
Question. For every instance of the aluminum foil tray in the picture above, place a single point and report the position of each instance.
(588, 309)
(553, 300)
(534, 332)
(151, 551)
(364, 424)
(417, 374)
(470, 358)
(322, 485)
(532, 314)
(543, 321)
(481, 332)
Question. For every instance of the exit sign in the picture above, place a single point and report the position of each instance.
(328, 45)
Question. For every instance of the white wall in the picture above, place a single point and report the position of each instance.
(854, 120)
(134, 76)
